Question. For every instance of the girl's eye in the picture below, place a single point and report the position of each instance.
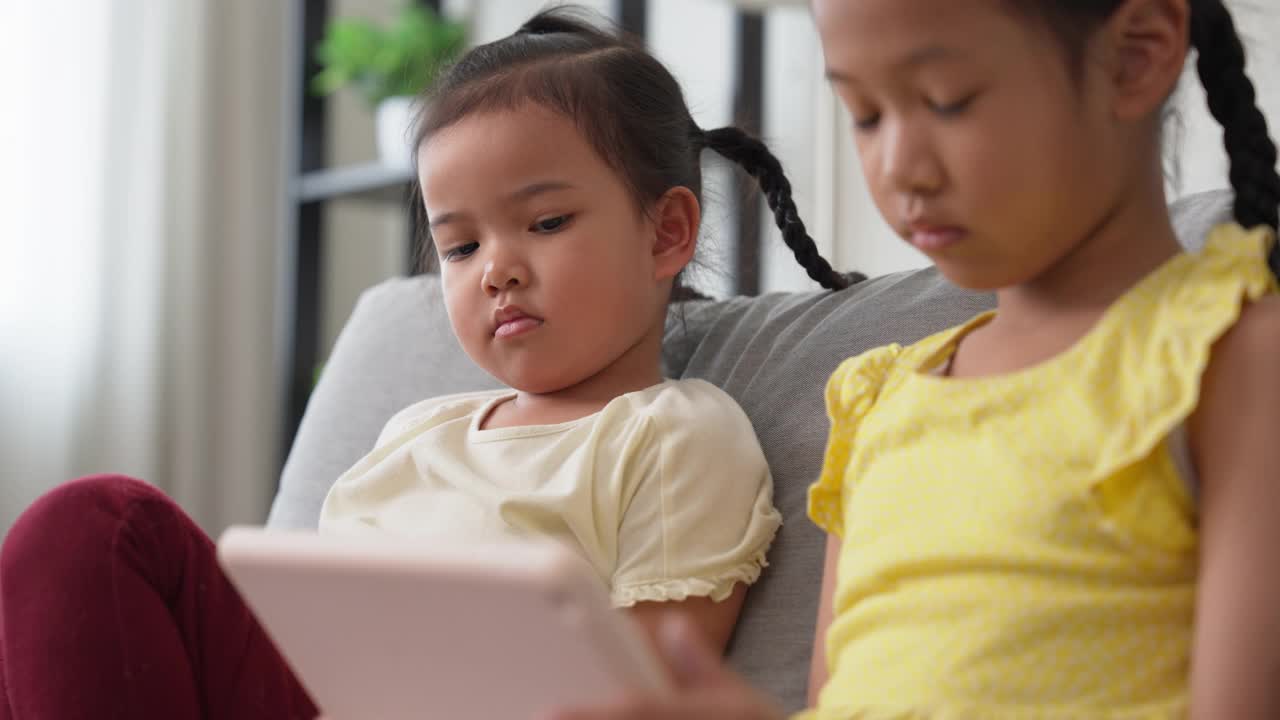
(865, 115)
(951, 109)
(550, 225)
(866, 123)
(461, 251)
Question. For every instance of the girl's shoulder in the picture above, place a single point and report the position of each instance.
(1230, 268)
(688, 416)
(681, 401)
(858, 381)
(1166, 327)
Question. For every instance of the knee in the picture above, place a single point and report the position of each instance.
(77, 516)
(85, 500)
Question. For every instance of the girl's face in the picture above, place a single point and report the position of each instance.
(548, 267)
(979, 145)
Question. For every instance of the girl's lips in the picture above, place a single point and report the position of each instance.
(933, 239)
(517, 326)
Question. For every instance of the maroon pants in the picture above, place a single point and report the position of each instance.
(112, 605)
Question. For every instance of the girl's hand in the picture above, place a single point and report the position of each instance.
(704, 688)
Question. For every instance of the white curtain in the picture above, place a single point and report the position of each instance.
(140, 210)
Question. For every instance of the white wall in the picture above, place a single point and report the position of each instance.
(49, 209)
(695, 40)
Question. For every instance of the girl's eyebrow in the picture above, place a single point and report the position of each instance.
(444, 219)
(920, 56)
(538, 188)
(928, 54)
(524, 193)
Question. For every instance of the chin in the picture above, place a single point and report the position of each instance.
(523, 374)
(532, 382)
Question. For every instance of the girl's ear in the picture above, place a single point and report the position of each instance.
(676, 218)
(1149, 41)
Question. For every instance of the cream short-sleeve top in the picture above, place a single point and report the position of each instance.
(665, 491)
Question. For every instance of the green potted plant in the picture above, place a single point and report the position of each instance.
(389, 66)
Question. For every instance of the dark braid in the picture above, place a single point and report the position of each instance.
(1232, 101)
(754, 157)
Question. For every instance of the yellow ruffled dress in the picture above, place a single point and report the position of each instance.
(1023, 546)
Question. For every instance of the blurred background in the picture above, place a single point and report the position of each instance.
(185, 224)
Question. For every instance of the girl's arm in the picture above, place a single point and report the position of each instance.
(714, 621)
(826, 602)
(1235, 438)
(704, 688)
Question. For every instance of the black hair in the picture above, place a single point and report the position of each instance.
(627, 106)
(1231, 96)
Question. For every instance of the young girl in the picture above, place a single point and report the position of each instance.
(560, 178)
(1066, 508)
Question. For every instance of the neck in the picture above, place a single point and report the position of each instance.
(638, 367)
(1133, 237)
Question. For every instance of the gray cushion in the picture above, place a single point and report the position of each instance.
(771, 353)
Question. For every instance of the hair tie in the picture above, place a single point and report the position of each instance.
(697, 136)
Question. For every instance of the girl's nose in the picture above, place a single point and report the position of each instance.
(908, 163)
(502, 274)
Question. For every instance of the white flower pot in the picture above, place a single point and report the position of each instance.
(394, 128)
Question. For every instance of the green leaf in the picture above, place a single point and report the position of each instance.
(404, 58)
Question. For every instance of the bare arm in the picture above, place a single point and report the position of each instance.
(1235, 436)
(714, 620)
(818, 670)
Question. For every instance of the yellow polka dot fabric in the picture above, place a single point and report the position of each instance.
(1022, 546)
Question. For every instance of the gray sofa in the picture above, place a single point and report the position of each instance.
(771, 353)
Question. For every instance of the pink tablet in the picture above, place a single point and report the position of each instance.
(380, 629)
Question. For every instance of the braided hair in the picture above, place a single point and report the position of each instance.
(1231, 96)
(1233, 103)
(626, 105)
(754, 157)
